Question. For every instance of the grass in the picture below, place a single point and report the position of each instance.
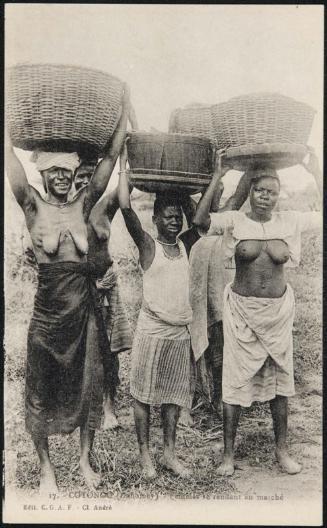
(115, 453)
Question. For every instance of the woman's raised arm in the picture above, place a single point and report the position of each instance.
(236, 201)
(313, 167)
(142, 239)
(202, 217)
(103, 172)
(16, 174)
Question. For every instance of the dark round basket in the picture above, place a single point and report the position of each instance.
(59, 107)
(170, 162)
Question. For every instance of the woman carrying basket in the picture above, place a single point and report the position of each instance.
(66, 336)
(162, 366)
(259, 305)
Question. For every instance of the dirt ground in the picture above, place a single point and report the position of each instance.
(115, 453)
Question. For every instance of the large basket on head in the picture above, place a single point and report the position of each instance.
(170, 162)
(263, 128)
(61, 108)
(193, 119)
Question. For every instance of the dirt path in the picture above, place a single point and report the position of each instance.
(260, 474)
(116, 456)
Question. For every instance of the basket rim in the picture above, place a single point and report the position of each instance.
(266, 148)
(173, 176)
(60, 65)
(170, 135)
(195, 107)
(253, 95)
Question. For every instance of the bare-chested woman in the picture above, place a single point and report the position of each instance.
(66, 336)
(115, 319)
(259, 305)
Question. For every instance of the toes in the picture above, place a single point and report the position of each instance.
(226, 470)
(149, 474)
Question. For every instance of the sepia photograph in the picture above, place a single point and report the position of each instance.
(163, 220)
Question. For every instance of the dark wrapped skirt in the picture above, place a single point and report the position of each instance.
(66, 345)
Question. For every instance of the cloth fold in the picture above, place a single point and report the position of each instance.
(116, 322)
(64, 160)
(66, 345)
(257, 338)
(162, 370)
(208, 278)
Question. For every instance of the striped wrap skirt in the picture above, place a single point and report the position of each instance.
(162, 370)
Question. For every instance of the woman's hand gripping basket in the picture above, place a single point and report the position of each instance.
(61, 108)
(170, 162)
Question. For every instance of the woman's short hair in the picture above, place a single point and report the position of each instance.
(266, 172)
(165, 200)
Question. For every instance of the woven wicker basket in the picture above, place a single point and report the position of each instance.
(273, 155)
(60, 107)
(262, 118)
(170, 162)
(196, 120)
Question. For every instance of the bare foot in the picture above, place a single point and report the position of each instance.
(110, 421)
(92, 479)
(48, 483)
(173, 464)
(287, 463)
(148, 469)
(185, 418)
(226, 468)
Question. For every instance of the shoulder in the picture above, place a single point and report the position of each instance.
(289, 217)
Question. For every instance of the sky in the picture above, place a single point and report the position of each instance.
(173, 55)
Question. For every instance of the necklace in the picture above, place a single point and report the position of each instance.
(165, 252)
(166, 243)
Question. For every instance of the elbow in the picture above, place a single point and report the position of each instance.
(126, 210)
(198, 222)
(201, 224)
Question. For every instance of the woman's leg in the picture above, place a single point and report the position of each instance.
(231, 418)
(142, 424)
(111, 380)
(216, 346)
(170, 414)
(185, 417)
(48, 482)
(92, 479)
(110, 418)
(217, 374)
(279, 411)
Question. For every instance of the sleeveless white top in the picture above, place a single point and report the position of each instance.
(166, 287)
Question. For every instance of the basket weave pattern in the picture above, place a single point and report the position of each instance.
(47, 103)
(247, 120)
(197, 120)
(262, 118)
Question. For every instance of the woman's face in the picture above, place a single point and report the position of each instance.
(264, 195)
(83, 175)
(169, 221)
(57, 181)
